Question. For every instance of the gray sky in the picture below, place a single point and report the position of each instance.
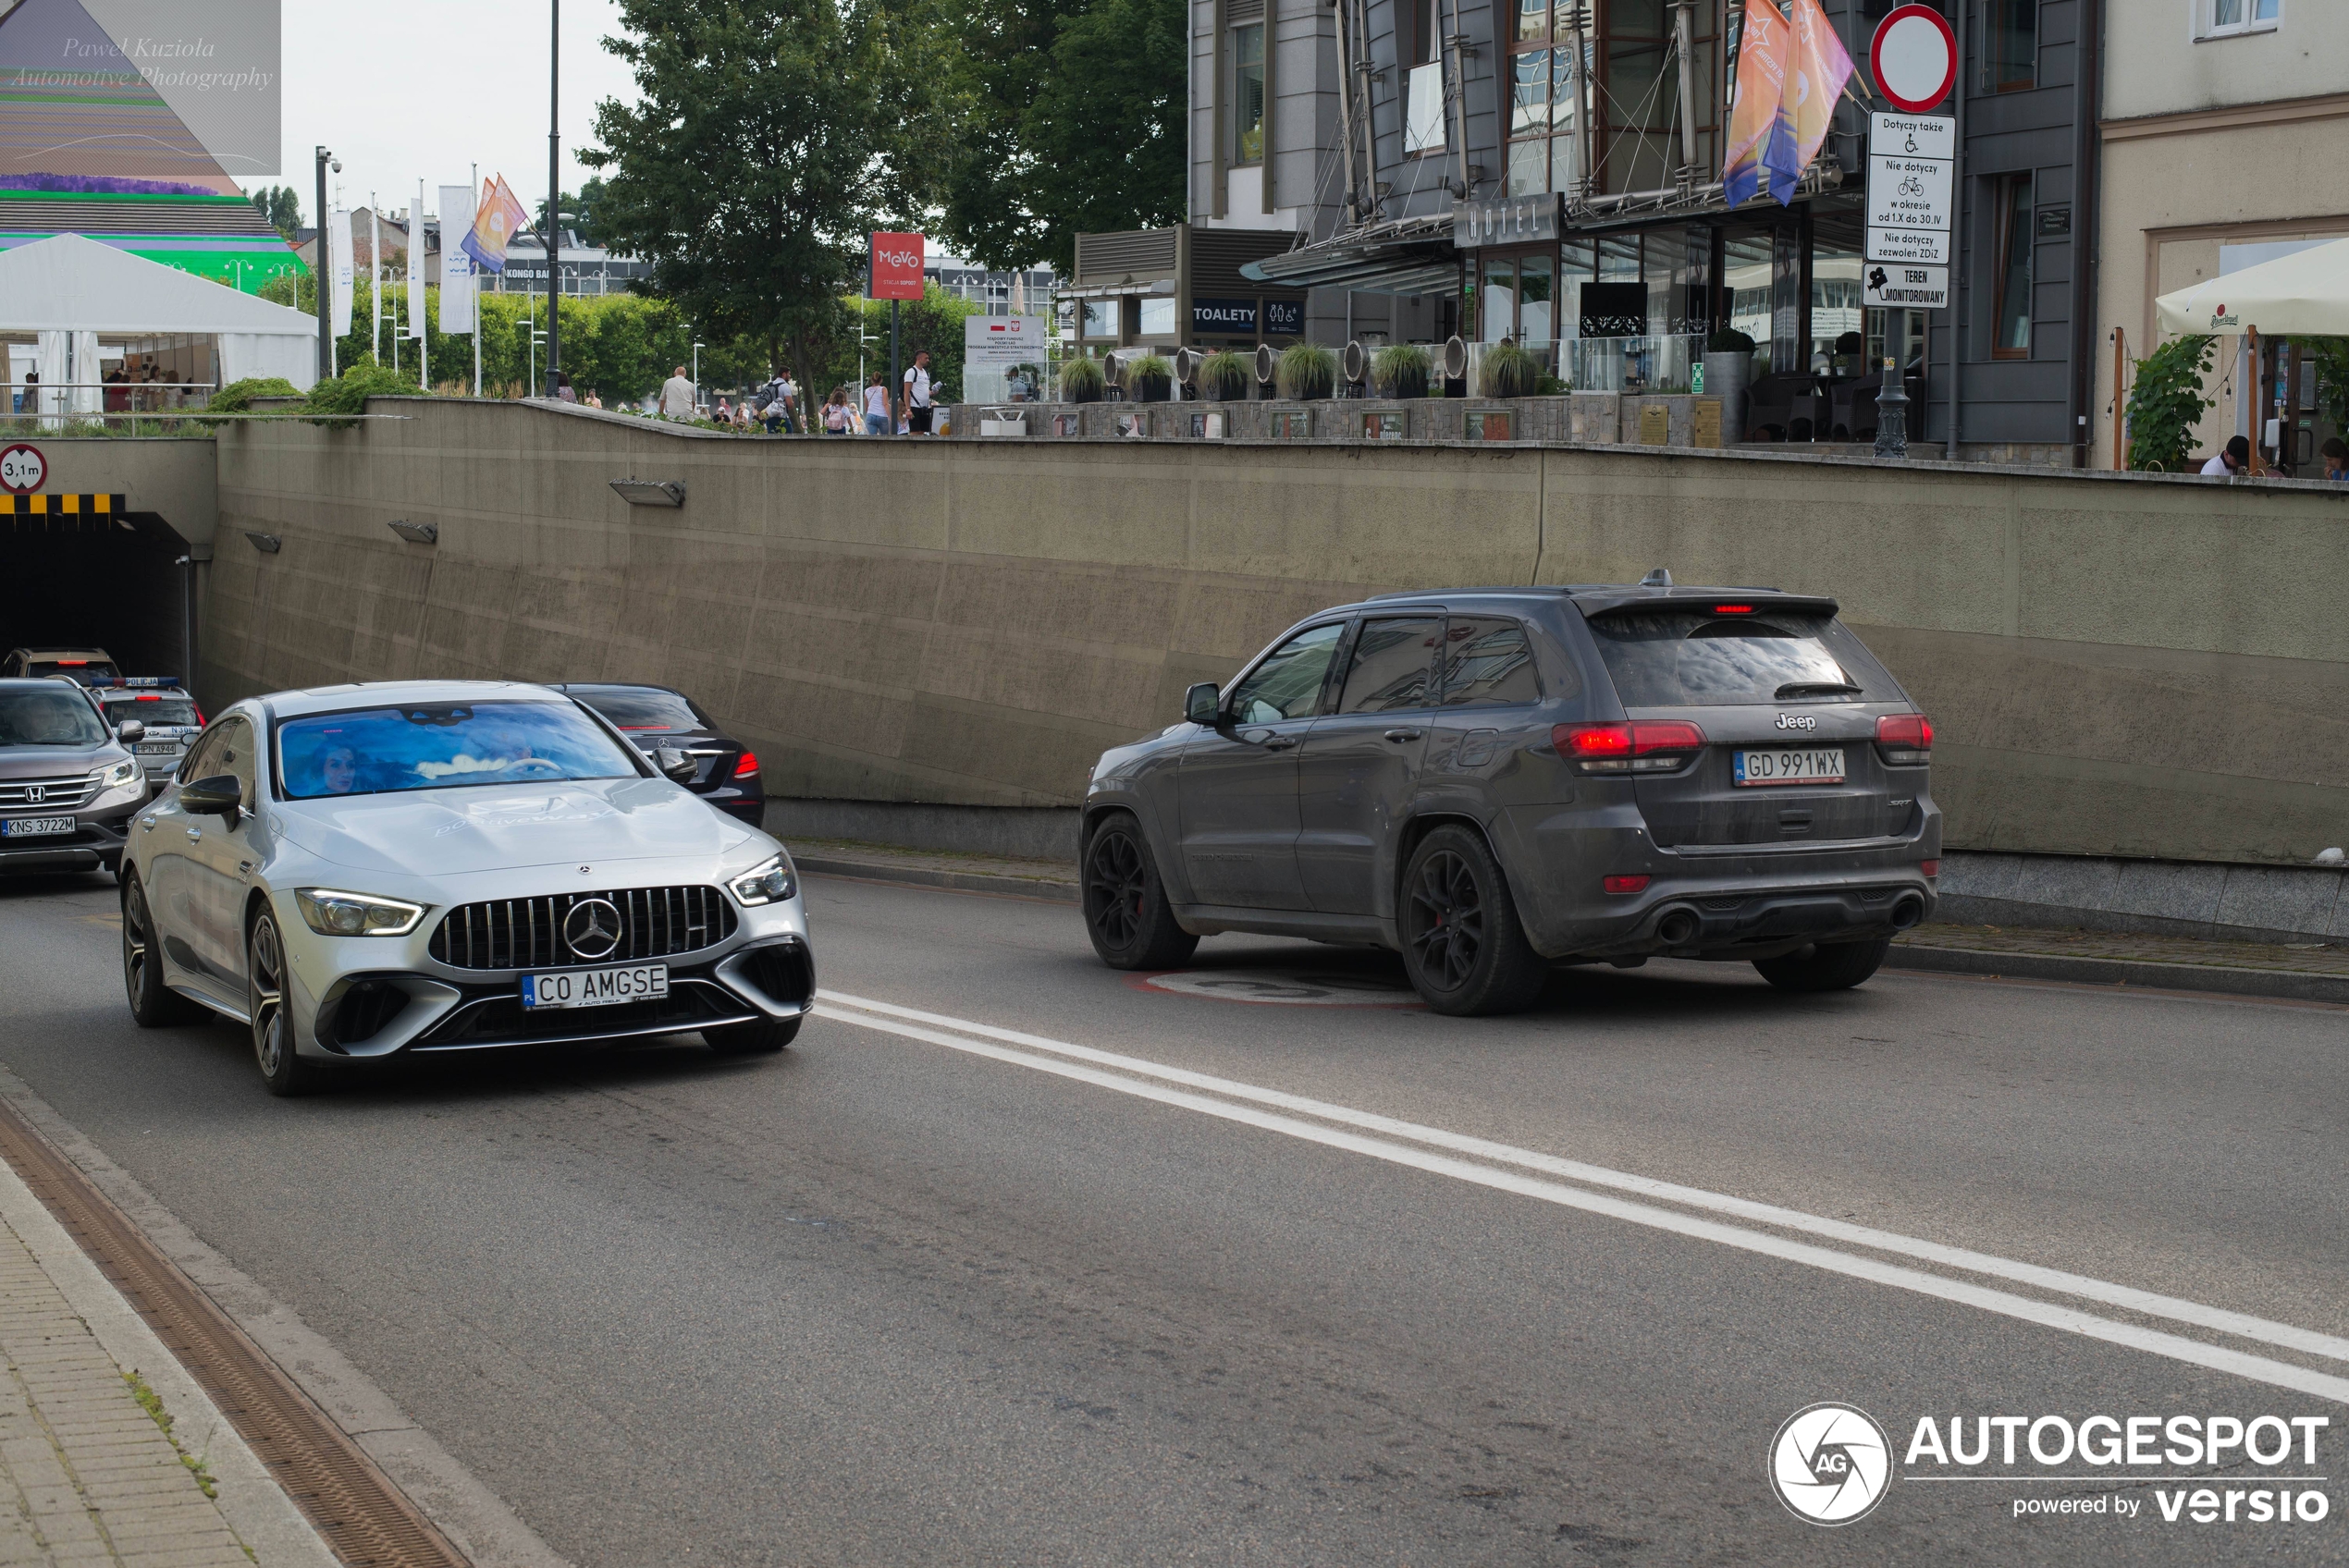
(427, 88)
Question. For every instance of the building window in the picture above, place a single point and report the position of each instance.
(1247, 93)
(2010, 312)
(2010, 45)
(2222, 19)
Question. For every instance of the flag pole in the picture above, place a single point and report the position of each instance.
(476, 277)
(421, 323)
(376, 292)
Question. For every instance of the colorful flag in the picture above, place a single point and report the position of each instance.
(502, 216)
(1760, 136)
(1815, 84)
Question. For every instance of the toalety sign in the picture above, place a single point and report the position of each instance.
(1833, 1465)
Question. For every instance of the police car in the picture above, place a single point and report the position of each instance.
(172, 718)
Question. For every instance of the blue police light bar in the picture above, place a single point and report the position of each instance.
(134, 680)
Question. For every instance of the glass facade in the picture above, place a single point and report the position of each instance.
(1247, 93)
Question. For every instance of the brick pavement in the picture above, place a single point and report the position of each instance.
(87, 1476)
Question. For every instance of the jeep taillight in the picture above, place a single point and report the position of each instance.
(1642, 746)
(1905, 739)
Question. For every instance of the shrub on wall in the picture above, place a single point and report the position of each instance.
(1308, 371)
(2164, 402)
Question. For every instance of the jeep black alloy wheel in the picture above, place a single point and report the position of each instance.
(1462, 945)
(273, 1041)
(1127, 912)
(153, 1005)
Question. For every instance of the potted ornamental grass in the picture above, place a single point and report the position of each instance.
(1082, 380)
(1401, 369)
(1511, 371)
(1308, 371)
(1224, 375)
(1148, 378)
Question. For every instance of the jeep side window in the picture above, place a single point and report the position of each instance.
(1288, 683)
(1393, 660)
(1487, 662)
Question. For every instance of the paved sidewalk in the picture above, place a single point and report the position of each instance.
(91, 1477)
(2314, 972)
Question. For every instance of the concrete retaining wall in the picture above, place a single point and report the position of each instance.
(2119, 666)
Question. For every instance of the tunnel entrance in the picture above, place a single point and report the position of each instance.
(111, 582)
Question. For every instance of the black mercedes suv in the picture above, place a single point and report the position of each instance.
(1495, 782)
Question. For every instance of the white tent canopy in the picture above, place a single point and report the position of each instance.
(72, 284)
(2301, 295)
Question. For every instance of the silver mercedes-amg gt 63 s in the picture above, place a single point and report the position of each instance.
(358, 872)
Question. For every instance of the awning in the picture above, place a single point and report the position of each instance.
(1399, 256)
(2303, 294)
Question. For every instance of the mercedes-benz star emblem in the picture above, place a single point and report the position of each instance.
(592, 928)
(35, 793)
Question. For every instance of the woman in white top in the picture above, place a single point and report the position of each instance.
(876, 409)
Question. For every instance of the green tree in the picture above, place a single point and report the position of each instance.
(1070, 119)
(581, 205)
(280, 207)
(764, 149)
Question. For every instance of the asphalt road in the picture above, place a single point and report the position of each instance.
(892, 1299)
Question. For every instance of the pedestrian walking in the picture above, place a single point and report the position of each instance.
(839, 418)
(2335, 453)
(677, 395)
(562, 388)
(876, 406)
(916, 409)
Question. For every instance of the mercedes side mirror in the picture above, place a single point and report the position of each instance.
(216, 796)
(675, 765)
(1200, 704)
(130, 731)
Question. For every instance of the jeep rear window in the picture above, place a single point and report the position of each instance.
(1689, 659)
(641, 707)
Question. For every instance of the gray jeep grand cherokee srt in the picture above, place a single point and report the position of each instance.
(1495, 781)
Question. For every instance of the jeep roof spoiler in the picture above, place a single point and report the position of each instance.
(1722, 601)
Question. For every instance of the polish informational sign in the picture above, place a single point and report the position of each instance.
(1004, 340)
(1899, 286)
(1909, 162)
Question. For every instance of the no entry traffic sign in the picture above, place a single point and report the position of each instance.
(1914, 58)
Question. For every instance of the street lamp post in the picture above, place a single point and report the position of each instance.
(325, 264)
(554, 190)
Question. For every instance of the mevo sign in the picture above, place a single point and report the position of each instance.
(897, 267)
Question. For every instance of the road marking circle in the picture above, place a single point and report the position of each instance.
(1285, 987)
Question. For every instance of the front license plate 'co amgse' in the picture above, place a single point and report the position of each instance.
(1788, 767)
(595, 987)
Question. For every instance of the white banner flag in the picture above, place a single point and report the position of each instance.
(457, 208)
(339, 269)
(416, 264)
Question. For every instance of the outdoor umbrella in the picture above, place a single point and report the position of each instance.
(2301, 295)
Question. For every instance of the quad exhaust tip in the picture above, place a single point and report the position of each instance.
(1677, 928)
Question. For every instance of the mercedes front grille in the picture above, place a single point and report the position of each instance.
(528, 933)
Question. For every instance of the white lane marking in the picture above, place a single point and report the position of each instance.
(877, 1015)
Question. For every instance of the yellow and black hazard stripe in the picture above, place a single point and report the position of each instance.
(62, 506)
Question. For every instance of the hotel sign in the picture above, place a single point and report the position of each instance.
(1508, 220)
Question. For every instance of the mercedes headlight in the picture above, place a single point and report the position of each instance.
(769, 882)
(331, 914)
(116, 775)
